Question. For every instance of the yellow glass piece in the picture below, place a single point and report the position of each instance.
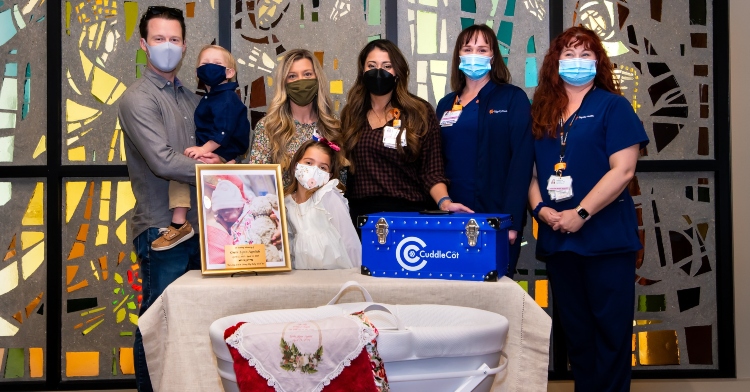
(8, 280)
(122, 146)
(131, 18)
(646, 322)
(133, 318)
(106, 191)
(93, 311)
(32, 305)
(72, 83)
(78, 285)
(633, 361)
(337, 86)
(101, 33)
(121, 231)
(40, 147)
(72, 140)
(102, 84)
(438, 85)
(335, 63)
(270, 81)
(11, 249)
(337, 105)
(633, 344)
(102, 234)
(36, 362)
(658, 348)
(89, 120)
(92, 34)
(6, 328)
(534, 228)
(68, 10)
(73, 126)
(77, 112)
(121, 315)
(126, 353)
(31, 261)
(125, 199)
(615, 48)
(87, 65)
(91, 328)
(73, 193)
(104, 210)
(29, 238)
(118, 278)
(76, 251)
(70, 273)
(120, 304)
(77, 154)
(117, 93)
(541, 293)
(133, 257)
(439, 67)
(34, 215)
(426, 32)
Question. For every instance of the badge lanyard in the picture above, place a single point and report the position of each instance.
(451, 117)
(563, 132)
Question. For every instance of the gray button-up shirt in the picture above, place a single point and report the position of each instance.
(157, 118)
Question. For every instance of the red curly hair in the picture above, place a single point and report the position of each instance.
(550, 98)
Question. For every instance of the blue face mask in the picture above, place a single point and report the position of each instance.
(475, 66)
(578, 71)
(212, 74)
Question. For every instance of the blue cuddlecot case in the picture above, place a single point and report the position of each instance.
(418, 245)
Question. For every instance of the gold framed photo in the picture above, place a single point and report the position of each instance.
(242, 219)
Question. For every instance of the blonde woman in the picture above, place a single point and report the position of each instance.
(301, 107)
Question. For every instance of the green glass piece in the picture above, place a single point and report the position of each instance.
(373, 37)
(524, 285)
(11, 69)
(126, 334)
(314, 16)
(531, 46)
(466, 22)
(510, 8)
(14, 364)
(652, 303)
(131, 305)
(698, 12)
(505, 32)
(373, 14)
(301, 12)
(469, 6)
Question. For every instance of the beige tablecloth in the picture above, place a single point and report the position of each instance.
(178, 348)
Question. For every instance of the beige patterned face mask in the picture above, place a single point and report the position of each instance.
(311, 177)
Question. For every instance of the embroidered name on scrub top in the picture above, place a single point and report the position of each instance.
(560, 187)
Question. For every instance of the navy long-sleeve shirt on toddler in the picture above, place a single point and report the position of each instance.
(222, 117)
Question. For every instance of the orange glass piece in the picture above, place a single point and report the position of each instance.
(70, 273)
(11, 248)
(120, 256)
(36, 362)
(32, 305)
(82, 364)
(89, 202)
(76, 251)
(83, 232)
(126, 360)
(79, 285)
(103, 266)
(18, 317)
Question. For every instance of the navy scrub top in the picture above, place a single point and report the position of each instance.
(459, 151)
(605, 125)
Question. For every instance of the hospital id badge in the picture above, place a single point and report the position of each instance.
(450, 118)
(560, 188)
(389, 137)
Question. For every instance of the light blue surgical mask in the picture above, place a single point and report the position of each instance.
(578, 71)
(165, 57)
(475, 66)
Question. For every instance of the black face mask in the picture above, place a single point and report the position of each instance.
(379, 81)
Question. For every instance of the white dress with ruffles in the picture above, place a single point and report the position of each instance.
(321, 233)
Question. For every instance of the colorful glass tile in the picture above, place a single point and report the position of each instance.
(688, 298)
(33, 304)
(658, 348)
(14, 365)
(652, 303)
(699, 342)
(36, 362)
(82, 364)
(34, 215)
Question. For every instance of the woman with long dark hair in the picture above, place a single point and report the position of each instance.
(587, 145)
(486, 131)
(391, 139)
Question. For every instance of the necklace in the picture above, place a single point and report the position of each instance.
(384, 120)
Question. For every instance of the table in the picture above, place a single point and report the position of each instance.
(178, 348)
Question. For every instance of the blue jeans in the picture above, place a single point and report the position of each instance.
(158, 270)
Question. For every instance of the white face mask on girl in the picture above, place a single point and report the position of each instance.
(311, 177)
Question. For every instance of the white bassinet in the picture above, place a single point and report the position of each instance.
(425, 348)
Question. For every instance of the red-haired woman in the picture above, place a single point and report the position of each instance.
(587, 143)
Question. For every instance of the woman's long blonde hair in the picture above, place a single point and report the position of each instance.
(279, 123)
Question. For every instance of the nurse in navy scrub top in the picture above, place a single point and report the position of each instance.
(486, 132)
(587, 142)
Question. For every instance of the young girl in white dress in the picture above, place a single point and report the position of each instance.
(321, 233)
